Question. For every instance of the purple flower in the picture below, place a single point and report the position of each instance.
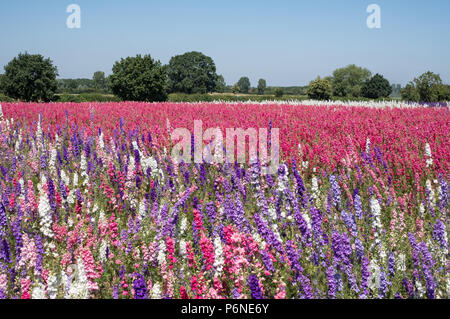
(255, 289)
(330, 272)
(140, 288)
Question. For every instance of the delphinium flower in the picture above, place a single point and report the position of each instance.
(383, 285)
(139, 286)
(52, 286)
(44, 209)
(357, 204)
(336, 191)
(255, 289)
(38, 291)
(218, 253)
(3, 220)
(429, 158)
(298, 269)
(330, 272)
(440, 233)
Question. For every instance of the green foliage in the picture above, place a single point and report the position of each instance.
(1, 83)
(320, 89)
(244, 84)
(278, 92)
(376, 87)
(426, 88)
(442, 92)
(182, 97)
(192, 72)
(261, 86)
(4, 98)
(99, 80)
(235, 89)
(220, 84)
(87, 97)
(30, 78)
(409, 93)
(139, 78)
(348, 81)
(427, 85)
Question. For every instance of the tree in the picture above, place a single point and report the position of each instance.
(347, 82)
(99, 80)
(139, 78)
(30, 78)
(427, 86)
(192, 72)
(220, 84)
(261, 86)
(244, 84)
(1, 83)
(409, 93)
(320, 89)
(235, 88)
(442, 92)
(278, 92)
(376, 87)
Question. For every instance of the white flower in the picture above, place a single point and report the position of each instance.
(374, 279)
(45, 215)
(101, 143)
(218, 260)
(65, 178)
(428, 155)
(38, 292)
(183, 251)
(102, 251)
(1, 113)
(156, 291)
(272, 213)
(183, 225)
(142, 212)
(368, 146)
(79, 288)
(401, 263)
(432, 197)
(52, 284)
(315, 187)
(162, 252)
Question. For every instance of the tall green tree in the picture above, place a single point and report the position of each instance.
(409, 93)
(348, 81)
(427, 86)
(320, 89)
(139, 78)
(376, 87)
(261, 86)
(30, 77)
(99, 80)
(244, 84)
(192, 72)
(220, 84)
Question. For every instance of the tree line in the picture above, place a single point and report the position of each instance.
(141, 78)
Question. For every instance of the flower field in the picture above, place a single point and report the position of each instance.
(93, 206)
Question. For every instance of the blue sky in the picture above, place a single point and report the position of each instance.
(285, 42)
